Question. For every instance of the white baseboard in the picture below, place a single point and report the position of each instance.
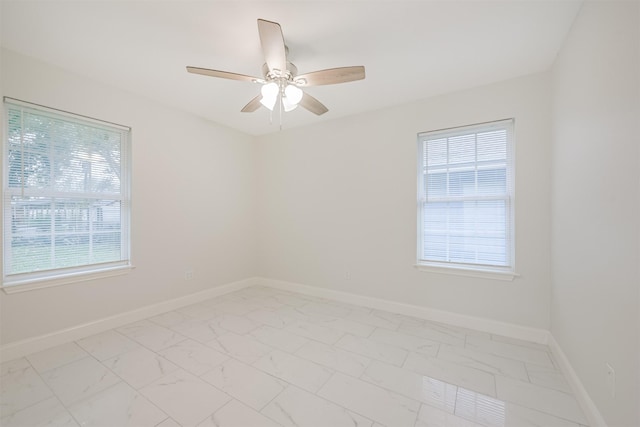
(588, 407)
(470, 322)
(22, 348)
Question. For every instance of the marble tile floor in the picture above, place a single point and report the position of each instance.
(265, 357)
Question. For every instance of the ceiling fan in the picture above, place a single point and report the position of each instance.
(281, 83)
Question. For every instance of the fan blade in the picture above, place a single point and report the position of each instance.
(252, 105)
(222, 74)
(272, 42)
(331, 76)
(313, 105)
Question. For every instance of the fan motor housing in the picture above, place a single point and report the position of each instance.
(290, 73)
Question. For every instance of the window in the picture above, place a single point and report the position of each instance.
(66, 195)
(465, 198)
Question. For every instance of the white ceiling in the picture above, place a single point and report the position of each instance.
(411, 49)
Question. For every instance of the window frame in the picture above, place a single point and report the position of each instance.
(20, 282)
(507, 272)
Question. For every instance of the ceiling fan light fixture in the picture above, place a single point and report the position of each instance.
(287, 105)
(269, 95)
(293, 94)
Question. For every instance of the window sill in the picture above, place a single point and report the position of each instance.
(40, 283)
(468, 271)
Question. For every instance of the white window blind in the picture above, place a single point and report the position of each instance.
(465, 200)
(66, 194)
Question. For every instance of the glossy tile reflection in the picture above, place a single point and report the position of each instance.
(261, 357)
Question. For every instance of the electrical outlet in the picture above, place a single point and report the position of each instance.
(188, 274)
(347, 275)
(611, 380)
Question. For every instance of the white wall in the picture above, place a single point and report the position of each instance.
(337, 204)
(193, 204)
(596, 203)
